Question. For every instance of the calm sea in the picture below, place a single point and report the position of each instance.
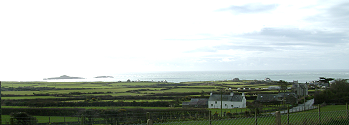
(183, 76)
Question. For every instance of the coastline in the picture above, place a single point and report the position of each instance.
(301, 76)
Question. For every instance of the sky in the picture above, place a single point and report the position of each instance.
(80, 37)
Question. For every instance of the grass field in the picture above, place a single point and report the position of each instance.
(328, 108)
(76, 84)
(124, 89)
(91, 107)
(235, 110)
(136, 89)
(44, 119)
(30, 97)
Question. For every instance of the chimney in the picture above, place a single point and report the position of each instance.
(243, 94)
(210, 93)
(231, 94)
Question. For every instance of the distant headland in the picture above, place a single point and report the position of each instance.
(104, 77)
(63, 77)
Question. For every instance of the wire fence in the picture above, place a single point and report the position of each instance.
(314, 117)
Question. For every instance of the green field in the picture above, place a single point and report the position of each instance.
(30, 97)
(44, 119)
(121, 90)
(94, 107)
(329, 108)
(75, 84)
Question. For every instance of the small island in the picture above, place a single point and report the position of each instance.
(104, 77)
(63, 77)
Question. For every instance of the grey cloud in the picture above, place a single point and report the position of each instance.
(336, 17)
(202, 49)
(340, 10)
(251, 8)
(339, 16)
(286, 37)
(233, 47)
(276, 39)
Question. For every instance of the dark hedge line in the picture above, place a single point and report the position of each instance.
(85, 104)
(154, 113)
(44, 111)
(102, 98)
(136, 116)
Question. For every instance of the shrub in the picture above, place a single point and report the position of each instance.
(22, 118)
(229, 114)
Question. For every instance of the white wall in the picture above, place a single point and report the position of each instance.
(227, 104)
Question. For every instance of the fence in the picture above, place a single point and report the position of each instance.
(196, 118)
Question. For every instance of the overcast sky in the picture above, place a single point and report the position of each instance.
(52, 38)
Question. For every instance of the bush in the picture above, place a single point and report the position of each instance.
(22, 118)
(229, 114)
(215, 115)
(247, 113)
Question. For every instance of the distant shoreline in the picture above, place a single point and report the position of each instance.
(301, 76)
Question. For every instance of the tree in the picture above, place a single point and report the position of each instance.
(254, 106)
(337, 93)
(22, 118)
(325, 81)
(283, 85)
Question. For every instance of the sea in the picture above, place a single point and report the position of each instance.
(302, 76)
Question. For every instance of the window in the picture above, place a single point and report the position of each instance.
(232, 105)
(215, 102)
(212, 105)
(225, 105)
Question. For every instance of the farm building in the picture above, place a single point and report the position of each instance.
(288, 97)
(236, 80)
(274, 87)
(300, 89)
(228, 101)
(195, 103)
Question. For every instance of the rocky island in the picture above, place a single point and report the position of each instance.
(104, 77)
(63, 77)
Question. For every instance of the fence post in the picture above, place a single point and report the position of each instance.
(346, 105)
(288, 115)
(148, 115)
(149, 122)
(277, 118)
(82, 119)
(49, 120)
(255, 116)
(209, 116)
(319, 113)
(11, 121)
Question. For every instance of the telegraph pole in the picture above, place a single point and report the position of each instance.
(221, 102)
(0, 106)
(304, 97)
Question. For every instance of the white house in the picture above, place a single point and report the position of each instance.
(267, 80)
(228, 101)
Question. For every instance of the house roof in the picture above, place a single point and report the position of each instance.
(217, 97)
(282, 94)
(185, 103)
(275, 97)
(196, 101)
(267, 97)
